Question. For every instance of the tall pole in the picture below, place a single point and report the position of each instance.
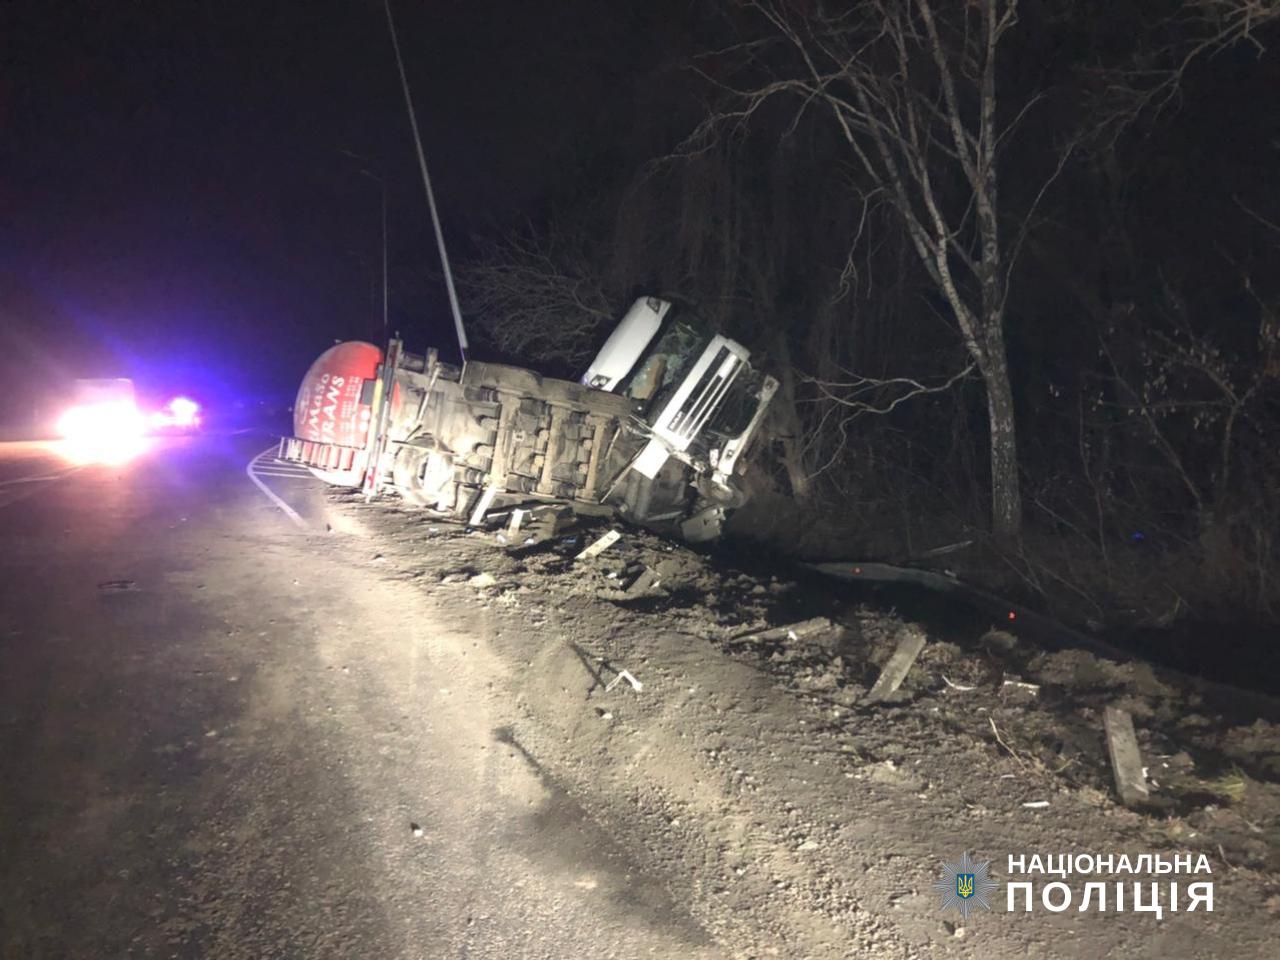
(426, 182)
(386, 330)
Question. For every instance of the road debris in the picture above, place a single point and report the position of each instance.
(626, 675)
(517, 518)
(600, 546)
(543, 523)
(803, 630)
(704, 525)
(482, 580)
(1000, 740)
(1031, 688)
(483, 505)
(645, 581)
(895, 671)
(1126, 758)
(754, 704)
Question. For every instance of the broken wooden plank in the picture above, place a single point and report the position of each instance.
(792, 631)
(483, 504)
(517, 518)
(1126, 758)
(808, 628)
(600, 546)
(899, 665)
(626, 675)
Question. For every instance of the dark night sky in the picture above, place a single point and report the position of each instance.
(173, 199)
(175, 204)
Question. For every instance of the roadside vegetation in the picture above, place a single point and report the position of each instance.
(946, 228)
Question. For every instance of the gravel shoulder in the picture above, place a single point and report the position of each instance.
(793, 819)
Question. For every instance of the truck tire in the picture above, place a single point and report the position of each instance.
(423, 475)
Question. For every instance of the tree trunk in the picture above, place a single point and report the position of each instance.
(787, 419)
(1006, 493)
(793, 459)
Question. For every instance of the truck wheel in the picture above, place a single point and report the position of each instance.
(423, 476)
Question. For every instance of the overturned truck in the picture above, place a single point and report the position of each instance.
(655, 431)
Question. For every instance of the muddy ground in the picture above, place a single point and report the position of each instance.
(793, 818)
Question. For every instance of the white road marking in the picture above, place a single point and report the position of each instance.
(48, 476)
(287, 466)
(252, 473)
(33, 484)
(278, 469)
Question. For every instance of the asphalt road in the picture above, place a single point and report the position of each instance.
(224, 734)
(27, 466)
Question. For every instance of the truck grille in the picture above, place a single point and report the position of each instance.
(694, 403)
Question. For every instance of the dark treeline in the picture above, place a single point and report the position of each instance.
(1017, 268)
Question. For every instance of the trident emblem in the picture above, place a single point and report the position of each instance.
(965, 885)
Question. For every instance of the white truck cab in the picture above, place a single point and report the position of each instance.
(683, 382)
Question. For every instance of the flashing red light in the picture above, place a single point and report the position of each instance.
(1012, 615)
(180, 413)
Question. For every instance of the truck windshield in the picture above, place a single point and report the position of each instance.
(663, 364)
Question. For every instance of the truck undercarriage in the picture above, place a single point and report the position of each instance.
(654, 433)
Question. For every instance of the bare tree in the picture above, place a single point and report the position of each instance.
(1166, 47)
(843, 401)
(1193, 396)
(912, 90)
(540, 294)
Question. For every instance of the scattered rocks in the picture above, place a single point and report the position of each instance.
(772, 715)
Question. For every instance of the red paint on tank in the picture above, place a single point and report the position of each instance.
(328, 407)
